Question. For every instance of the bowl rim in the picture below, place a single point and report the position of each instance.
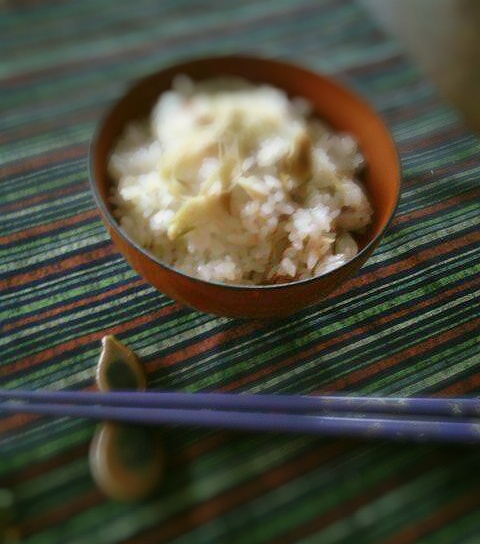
(177, 66)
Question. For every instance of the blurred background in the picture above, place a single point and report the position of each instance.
(443, 37)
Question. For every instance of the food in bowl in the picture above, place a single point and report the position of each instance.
(236, 183)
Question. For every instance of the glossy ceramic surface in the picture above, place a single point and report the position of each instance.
(338, 106)
(126, 461)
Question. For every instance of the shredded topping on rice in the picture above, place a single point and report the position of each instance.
(237, 183)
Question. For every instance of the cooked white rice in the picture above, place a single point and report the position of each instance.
(236, 183)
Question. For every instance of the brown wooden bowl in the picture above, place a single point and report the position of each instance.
(339, 107)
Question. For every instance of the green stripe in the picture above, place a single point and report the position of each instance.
(464, 529)
(118, 267)
(66, 202)
(417, 377)
(59, 243)
(43, 450)
(41, 180)
(39, 145)
(209, 20)
(238, 348)
(215, 376)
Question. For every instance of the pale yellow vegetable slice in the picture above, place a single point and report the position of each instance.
(196, 211)
(254, 188)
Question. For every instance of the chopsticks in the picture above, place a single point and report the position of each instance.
(417, 419)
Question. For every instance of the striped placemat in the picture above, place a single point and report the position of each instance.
(407, 324)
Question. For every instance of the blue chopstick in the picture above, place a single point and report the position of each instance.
(447, 407)
(417, 430)
(418, 419)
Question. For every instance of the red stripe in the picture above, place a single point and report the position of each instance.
(317, 349)
(356, 376)
(31, 361)
(348, 508)
(76, 305)
(441, 171)
(42, 197)
(38, 468)
(467, 502)
(48, 227)
(87, 113)
(202, 346)
(438, 206)
(425, 143)
(61, 265)
(469, 384)
(247, 491)
(46, 158)
(16, 421)
(62, 512)
(144, 48)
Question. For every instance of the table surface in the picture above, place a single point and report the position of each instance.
(407, 324)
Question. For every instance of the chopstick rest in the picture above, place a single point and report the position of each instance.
(126, 461)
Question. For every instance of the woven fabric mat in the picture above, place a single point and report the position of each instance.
(407, 324)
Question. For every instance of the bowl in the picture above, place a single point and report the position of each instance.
(336, 105)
